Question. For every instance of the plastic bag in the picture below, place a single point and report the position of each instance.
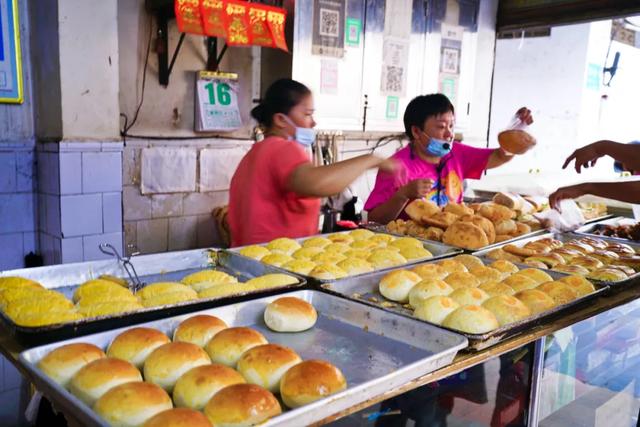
(516, 139)
(568, 218)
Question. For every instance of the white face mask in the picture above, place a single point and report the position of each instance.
(304, 136)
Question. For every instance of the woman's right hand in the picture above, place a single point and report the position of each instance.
(416, 189)
(588, 155)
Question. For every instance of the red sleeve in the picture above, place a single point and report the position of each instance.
(473, 160)
(286, 157)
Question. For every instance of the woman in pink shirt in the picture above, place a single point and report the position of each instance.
(433, 166)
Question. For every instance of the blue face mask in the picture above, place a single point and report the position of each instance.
(438, 147)
(304, 136)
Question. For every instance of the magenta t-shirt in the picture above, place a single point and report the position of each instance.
(463, 162)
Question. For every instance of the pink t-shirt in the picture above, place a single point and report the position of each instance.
(463, 162)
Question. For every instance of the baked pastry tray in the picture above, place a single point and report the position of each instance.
(590, 229)
(439, 251)
(171, 266)
(375, 350)
(365, 290)
(565, 237)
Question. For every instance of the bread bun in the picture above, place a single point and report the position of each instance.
(487, 274)
(482, 222)
(309, 381)
(283, 245)
(571, 269)
(290, 314)
(353, 266)
(440, 220)
(413, 253)
(168, 362)
(198, 329)
(452, 266)
(538, 276)
(507, 309)
(607, 257)
(434, 233)
(366, 244)
(96, 378)
(566, 253)
(241, 405)
(469, 261)
(227, 346)
(419, 209)
(632, 261)
(458, 209)
(548, 260)
(588, 262)
(99, 286)
(496, 288)
(132, 404)
(341, 238)
(509, 200)
(136, 344)
(516, 141)
(580, 247)
(504, 266)
(178, 417)
(265, 365)
(397, 285)
(276, 259)
(560, 292)
(536, 300)
(506, 226)
(337, 248)
(195, 388)
(407, 242)
(211, 276)
(361, 234)
(328, 258)
(522, 229)
(385, 258)
(435, 309)
(430, 271)
(623, 268)
(316, 242)
(494, 212)
(306, 253)
(465, 235)
(461, 280)
(472, 319)
(428, 288)
(255, 252)
(520, 283)
(62, 363)
(501, 254)
(607, 275)
(579, 284)
(532, 262)
(159, 288)
(469, 296)
(327, 271)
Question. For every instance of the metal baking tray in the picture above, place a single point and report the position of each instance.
(380, 228)
(565, 237)
(171, 266)
(589, 229)
(439, 251)
(375, 350)
(365, 290)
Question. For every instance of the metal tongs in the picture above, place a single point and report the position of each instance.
(108, 249)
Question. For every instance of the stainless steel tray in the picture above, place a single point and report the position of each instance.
(174, 266)
(565, 237)
(590, 228)
(380, 228)
(375, 350)
(365, 290)
(439, 251)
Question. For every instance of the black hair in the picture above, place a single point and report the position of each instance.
(281, 97)
(422, 107)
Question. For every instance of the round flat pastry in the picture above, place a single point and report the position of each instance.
(277, 259)
(507, 309)
(504, 266)
(560, 292)
(413, 253)
(341, 238)
(300, 266)
(435, 309)
(431, 271)
(407, 242)
(536, 300)
(337, 248)
(496, 288)
(469, 261)
(397, 284)
(537, 275)
(461, 280)
(472, 319)
(326, 271)
(465, 235)
(353, 266)
(328, 258)
(426, 289)
(361, 234)
(519, 283)
(469, 296)
(452, 266)
(307, 253)
(487, 274)
(316, 242)
(385, 258)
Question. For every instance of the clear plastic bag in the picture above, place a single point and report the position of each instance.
(568, 218)
(515, 138)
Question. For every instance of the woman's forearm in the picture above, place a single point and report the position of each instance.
(389, 210)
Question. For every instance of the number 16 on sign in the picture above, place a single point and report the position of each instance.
(217, 102)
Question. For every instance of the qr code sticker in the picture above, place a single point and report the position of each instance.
(393, 82)
(329, 26)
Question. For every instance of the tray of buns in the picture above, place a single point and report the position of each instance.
(287, 360)
(486, 301)
(598, 258)
(328, 257)
(619, 228)
(45, 304)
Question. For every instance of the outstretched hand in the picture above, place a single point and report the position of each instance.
(586, 156)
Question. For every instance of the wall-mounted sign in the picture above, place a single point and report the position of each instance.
(217, 102)
(353, 31)
(328, 28)
(329, 76)
(594, 71)
(10, 57)
(393, 105)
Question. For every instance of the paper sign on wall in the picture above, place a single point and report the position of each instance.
(329, 76)
(217, 102)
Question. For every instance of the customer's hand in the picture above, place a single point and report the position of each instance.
(570, 192)
(587, 156)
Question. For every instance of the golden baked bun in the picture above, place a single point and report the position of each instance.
(469, 261)
(361, 234)
(254, 251)
(307, 253)
(418, 209)
(504, 266)
(469, 296)
(326, 271)
(559, 291)
(316, 242)
(168, 362)
(506, 226)
(435, 309)
(538, 276)
(132, 404)
(171, 298)
(337, 248)
(426, 289)
(440, 220)
(607, 257)
(99, 286)
(496, 288)
(482, 222)
(494, 212)
(548, 260)
(579, 284)
(487, 274)
(353, 266)
(501, 254)
(587, 262)
(407, 242)
(465, 235)
(567, 254)
(461, 280)
(385, 258)
(607, 275)
(276, 259)
(241, 405)
(522, 229)
(309, 381)
(341, 238)
(328, 258)
(581, 247)
(532, 262)
(623, 268)
(290, 314)
(516, 141)
(273, 280)
(458, 209)
(136, 344)
(472, 319)
(198, 329)
(62, 363)
(300, 266)
(96, 378)
(265, 365)
(536, 300)
(160, 288)
(430, 271)
(632, 261)
(571, 269)
(397, 284)
(452, 266)
(227, 346)
(507, 309)
(413, 253)
(198, 385)
(283, 245)
(362, 254)
(621, 249)
(366, 244)
(178, 417)
(211, 276)
(519, 282)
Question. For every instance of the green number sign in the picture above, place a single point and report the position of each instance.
(221, 91)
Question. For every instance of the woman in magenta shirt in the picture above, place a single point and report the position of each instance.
(433, 166)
